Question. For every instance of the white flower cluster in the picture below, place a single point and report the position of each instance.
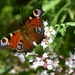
(48, 33)
(37, 62)
(47, 61)
(70, 62)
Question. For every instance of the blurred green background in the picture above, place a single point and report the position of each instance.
(13, 13)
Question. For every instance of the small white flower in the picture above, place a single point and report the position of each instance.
(39, 61)
(49, 61)
(45, 55)
(49, 67)
(43, 44)
(47, 31)
(50, 40)
(44, 72)
(71, 71)
(22, 58)
(54, 55)
(72, 56)
(52, 73)
(55, 64)
(70, 62)
(45, 23)
(13, 71)
(52, 31)
(34, 66)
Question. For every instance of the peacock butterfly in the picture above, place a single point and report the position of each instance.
(22, 39)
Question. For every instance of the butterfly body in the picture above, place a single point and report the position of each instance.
(22, 39)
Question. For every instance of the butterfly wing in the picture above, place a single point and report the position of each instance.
(30, 35)
(15, 42)
(22, 39)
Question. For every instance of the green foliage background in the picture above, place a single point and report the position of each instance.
(57, 12)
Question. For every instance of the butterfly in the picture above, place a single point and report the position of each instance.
(22, 39)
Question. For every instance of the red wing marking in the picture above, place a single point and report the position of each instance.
(14, 40)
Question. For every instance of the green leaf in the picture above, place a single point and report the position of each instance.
(39, 49)
(70, 23)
